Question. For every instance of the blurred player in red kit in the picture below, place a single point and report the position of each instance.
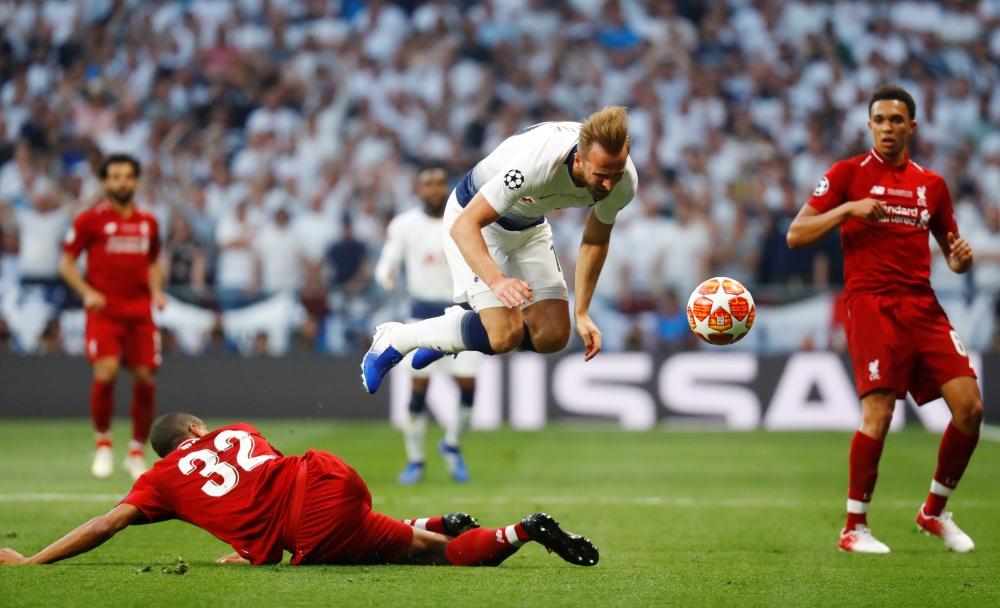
(123, 279)
(233, 484)
(899, 336)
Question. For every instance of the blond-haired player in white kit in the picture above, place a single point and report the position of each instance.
(500, 248)
(416, 240)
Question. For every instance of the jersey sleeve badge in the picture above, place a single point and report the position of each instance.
(822, 187)
(514, 179)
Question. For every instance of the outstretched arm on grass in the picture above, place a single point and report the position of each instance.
(89, 536)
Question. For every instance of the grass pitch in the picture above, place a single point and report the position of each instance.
(681, 518)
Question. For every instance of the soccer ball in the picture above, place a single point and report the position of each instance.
(721, 311)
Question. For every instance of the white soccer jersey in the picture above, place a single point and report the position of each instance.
(529, 174)
(417, 240)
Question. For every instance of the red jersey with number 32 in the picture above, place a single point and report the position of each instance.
(231, 483)
(891, 255)
(119, 252)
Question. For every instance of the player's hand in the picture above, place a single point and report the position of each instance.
(590, 334)
(232, 558)
(868, 209)
(94, 300)
(160, 299)
(960, 257)
(11, 557)
(512, 293)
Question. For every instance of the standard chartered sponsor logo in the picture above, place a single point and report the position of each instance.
(895, 210)
(127, 244)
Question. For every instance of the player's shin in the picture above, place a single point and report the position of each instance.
(865, 454)
(486, 547)
(460, 424)
(456, 331)
(953, 457)
(102, 407)
(143, 411)
(414, 431)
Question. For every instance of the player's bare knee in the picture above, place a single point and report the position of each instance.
(972, 414)
(506, 339)
(106, 369)
(552, 341)
(142, 375)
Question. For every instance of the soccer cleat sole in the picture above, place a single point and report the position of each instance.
(573, 548)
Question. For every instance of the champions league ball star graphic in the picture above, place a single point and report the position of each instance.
(514, 179)
(721, 311)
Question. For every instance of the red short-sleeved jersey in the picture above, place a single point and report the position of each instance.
(231, 483)
(893, 254)
(119, 252)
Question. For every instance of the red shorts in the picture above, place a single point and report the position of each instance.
(136, 341)
(903, 343)
(338, 525)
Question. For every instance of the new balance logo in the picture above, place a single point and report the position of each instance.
(877, 190)
(500, 538)
(873, 371)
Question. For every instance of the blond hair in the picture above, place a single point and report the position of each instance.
(607, 128)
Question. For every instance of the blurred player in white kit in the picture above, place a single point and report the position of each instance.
(416, 240)
(500, 248)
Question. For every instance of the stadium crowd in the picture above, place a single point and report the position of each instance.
(279, 137)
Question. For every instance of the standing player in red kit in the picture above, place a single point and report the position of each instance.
(233, 484)
(899, 336)
(123, 280)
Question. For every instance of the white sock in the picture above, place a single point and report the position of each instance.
(460, 424)
(414, 432)
(134, 447)
(442, 333)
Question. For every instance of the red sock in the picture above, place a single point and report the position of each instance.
(143, 410)
(432, 524)
(953, 456)
(102, 405)
(865, 454)
(484, 547)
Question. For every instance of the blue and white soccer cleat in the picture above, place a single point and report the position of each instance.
(425, 356)
(379, 359)
(413, 473)
(456, 464)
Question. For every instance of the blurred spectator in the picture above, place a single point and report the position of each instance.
(279, 256)
(184, 262)
(234, 275)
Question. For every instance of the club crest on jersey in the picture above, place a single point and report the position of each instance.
(110, 228)
(144, 229)
(877, 190)
(921, 196)
(873, 371)
(822, 187)
(514, 179)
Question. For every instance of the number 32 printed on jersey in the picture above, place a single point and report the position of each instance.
(229, 474)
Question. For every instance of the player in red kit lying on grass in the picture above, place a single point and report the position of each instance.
(233, 484)
(899, 336)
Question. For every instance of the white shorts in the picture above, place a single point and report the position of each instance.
(528, 254)
(465, 365)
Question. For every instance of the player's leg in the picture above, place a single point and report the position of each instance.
(957, 445)
(452, 524)
(414, 432)
(142, 355)
(102, 409)
(490, 547)
(451, 445)
(547, 326)
(103, 338)
(866, 450)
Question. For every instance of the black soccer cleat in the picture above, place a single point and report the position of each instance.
(458, 523)
(571, 547)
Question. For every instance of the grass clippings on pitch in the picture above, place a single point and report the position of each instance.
(681, 518)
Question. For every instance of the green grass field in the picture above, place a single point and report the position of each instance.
(681, 518)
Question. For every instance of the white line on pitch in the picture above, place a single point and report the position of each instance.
(61, 497)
